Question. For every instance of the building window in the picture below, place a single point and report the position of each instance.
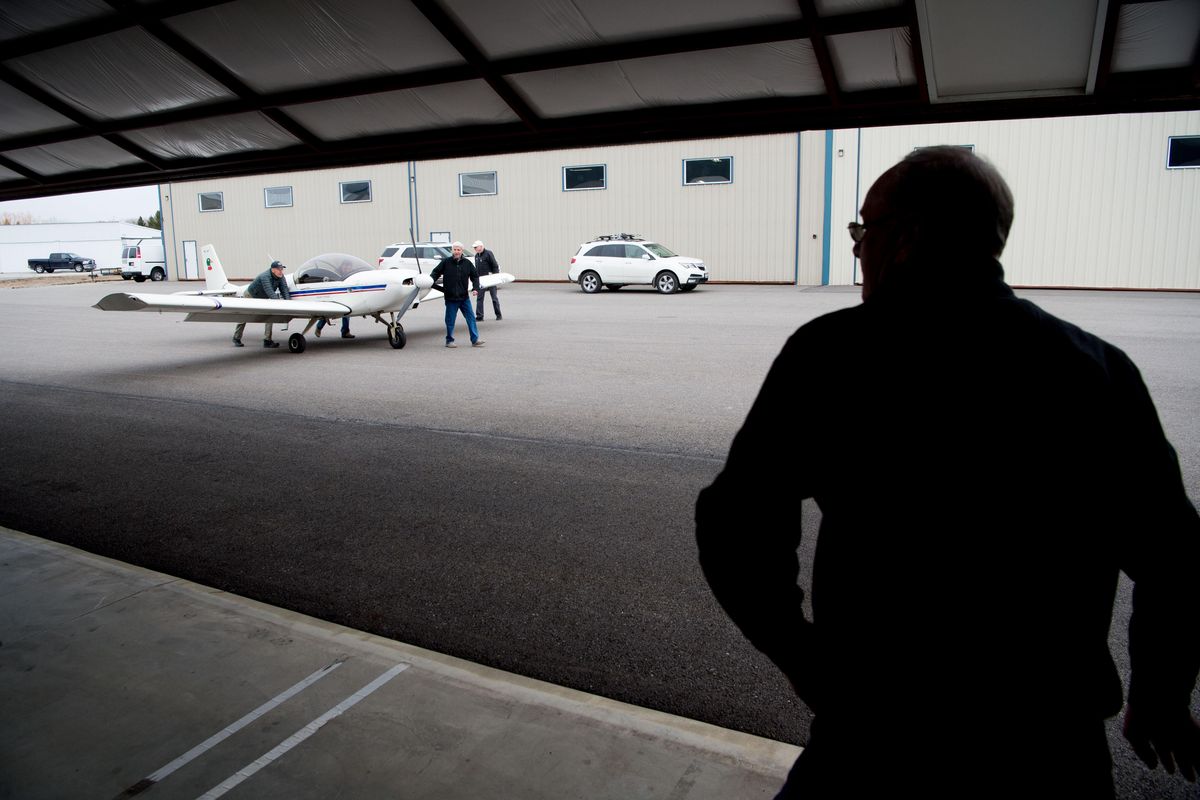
(212, 201)
(477, 183)
(707, 170)
(1183, 152)
(278, 197)
(355, 191)
(592, 176)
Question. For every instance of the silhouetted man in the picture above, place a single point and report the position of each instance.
(983, 471)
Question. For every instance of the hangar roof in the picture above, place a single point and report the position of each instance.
(107, 93)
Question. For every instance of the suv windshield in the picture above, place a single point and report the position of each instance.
(658, 250)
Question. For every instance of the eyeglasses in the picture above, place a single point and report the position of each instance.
(859, 229)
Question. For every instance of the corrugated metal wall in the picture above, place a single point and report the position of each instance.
(745, 230)
(248, 235)
(1095, 204)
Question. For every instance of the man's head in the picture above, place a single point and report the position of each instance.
(456, 249)
(477, 247)
(277, 268)
(938, 205)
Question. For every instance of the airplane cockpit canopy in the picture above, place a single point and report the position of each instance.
(330, 267)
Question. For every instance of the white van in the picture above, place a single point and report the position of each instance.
(143, 258)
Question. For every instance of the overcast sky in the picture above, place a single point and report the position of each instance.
(110, 205)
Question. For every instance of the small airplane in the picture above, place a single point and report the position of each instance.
(329, 286)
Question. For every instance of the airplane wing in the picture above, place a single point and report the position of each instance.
(230, 292)
(485, 282)
(231, 309)
(495, 279)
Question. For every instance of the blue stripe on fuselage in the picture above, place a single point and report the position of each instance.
(338, 290)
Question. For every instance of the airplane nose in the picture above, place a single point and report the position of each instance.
(423, 282)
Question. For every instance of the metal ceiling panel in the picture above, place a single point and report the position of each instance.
(521, 27)
(1157, 35)
(76, 156)
(428, 108)
(272, 45)
(873, 59)
(783, 69)
(123, 74)
(22, 114)
(213, 137)
(981, 49)
(22, 17)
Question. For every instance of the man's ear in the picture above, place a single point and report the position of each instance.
(907, 245)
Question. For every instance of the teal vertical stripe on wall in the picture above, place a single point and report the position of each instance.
(828, 207)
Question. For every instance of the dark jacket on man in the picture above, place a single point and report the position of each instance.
(485, 262)
(983, 471)
(263, 287)
(457, 277)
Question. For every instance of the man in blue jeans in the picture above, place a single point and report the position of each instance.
(457, 275)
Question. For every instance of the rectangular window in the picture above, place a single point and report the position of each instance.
(473, 183)
(592, 176)
(355, 191)
(707, 170)
(278, 197)
(212, 201)
(1183, 152)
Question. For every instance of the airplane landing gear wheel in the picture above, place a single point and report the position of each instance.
(397, 338)
(296, 343)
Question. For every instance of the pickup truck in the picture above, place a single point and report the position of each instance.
(62, 261)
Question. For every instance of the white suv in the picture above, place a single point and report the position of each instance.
(406, 254)
(621, 259)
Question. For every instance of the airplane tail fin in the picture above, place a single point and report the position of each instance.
(214, 274)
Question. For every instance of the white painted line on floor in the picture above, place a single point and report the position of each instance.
(300, 735)
(225, 733)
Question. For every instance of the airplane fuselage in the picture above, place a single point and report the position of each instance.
(366, 292)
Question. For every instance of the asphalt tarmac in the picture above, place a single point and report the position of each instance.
(526, 505)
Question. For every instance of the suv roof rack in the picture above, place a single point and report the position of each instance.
(625, 237)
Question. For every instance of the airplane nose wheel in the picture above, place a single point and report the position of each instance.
(396, 336)
(296, 343)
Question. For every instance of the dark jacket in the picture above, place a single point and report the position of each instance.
(264, 286)
(456, 277)
(486, 263)
(983, 471)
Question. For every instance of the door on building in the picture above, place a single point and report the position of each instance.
(191, 264)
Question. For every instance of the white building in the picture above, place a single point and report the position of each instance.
(98, 240)
(1099, 203)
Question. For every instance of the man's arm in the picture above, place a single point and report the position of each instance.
(474, 273)
(1160, 550)
(748, 529)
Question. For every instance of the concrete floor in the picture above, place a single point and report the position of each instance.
(119, 681)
